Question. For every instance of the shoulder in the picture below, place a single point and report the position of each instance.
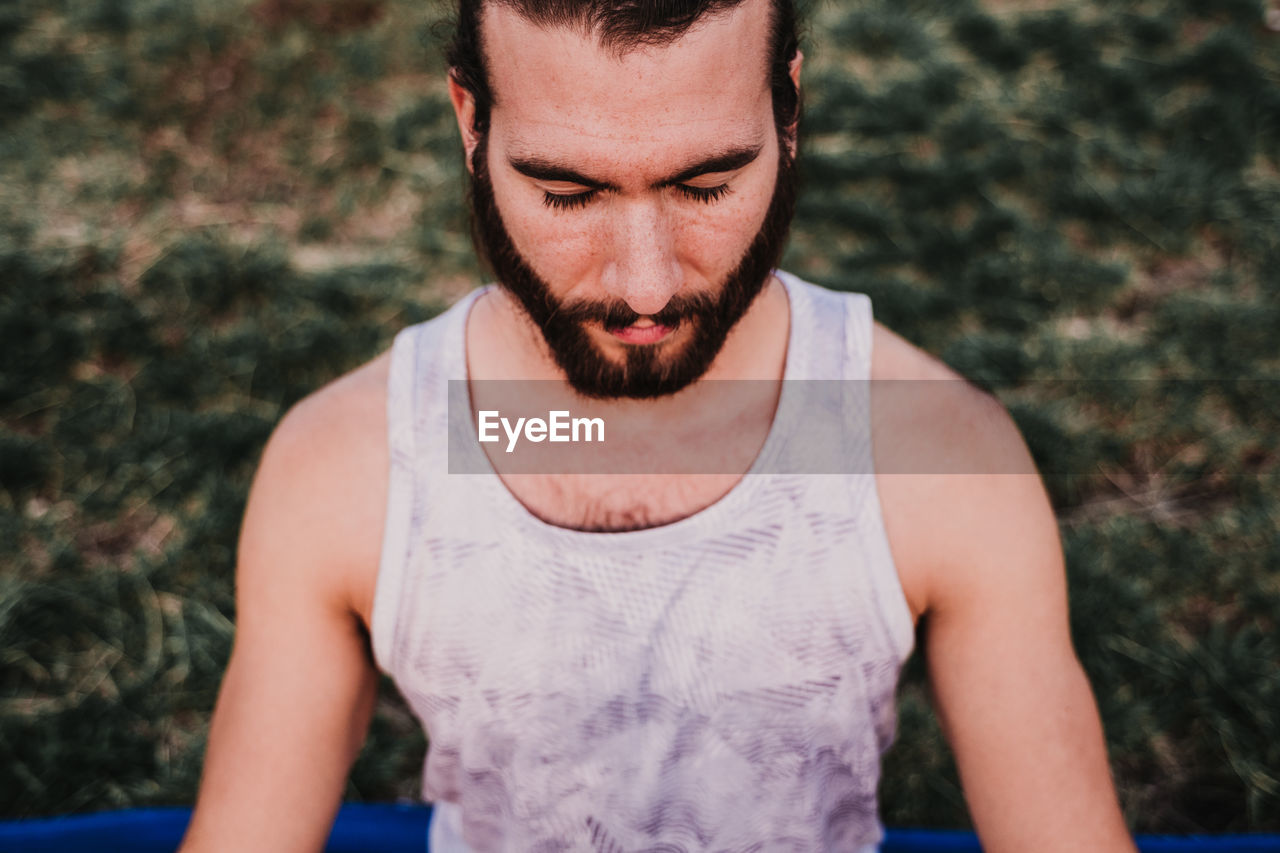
(931, 420)
(319, 496)
(346, 411)
(959, 490)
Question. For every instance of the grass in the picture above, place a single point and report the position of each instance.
(209, 209)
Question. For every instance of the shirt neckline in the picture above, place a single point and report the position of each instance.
(729, 505)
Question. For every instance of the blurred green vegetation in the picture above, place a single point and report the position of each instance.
(209, 208)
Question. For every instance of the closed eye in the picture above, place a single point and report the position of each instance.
(704, 194)
(567, 201)
(571, 201)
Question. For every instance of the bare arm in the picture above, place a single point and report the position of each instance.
(299, 691)
(1010, 693)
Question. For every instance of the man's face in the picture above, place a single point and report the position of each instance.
(633, 204)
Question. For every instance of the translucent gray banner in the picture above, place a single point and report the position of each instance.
(820, 427)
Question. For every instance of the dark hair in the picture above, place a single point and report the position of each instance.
(623, 25)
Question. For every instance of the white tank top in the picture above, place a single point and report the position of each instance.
(724, 682)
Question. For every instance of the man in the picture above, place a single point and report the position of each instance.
(664, 661)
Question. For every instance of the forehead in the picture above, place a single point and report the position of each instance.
(559, 86)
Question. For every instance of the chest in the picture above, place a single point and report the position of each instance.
(739, 655)
(617, 502)
(568, 682)
(772, 592)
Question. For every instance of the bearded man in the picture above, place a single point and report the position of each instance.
(647, 661)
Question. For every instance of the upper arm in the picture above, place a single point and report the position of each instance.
(298, 692)
(989, 576)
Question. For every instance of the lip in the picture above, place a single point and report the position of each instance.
(641, 334)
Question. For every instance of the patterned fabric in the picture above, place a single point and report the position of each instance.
(722, 683)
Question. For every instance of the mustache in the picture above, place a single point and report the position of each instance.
(616, 313)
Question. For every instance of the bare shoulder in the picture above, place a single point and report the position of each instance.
(931, 420)
(322, 483)
(956, 481)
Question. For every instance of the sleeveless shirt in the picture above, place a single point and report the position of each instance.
(723, 682)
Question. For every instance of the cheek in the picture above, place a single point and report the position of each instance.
(559, 245)
(710, 239)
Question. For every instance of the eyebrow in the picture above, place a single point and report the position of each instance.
(723, 161)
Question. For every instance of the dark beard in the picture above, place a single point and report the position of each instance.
(648, 371)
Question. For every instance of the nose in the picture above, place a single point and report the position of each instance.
(643, 270)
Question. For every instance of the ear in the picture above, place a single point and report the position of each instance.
(796, 62)
(464, 109)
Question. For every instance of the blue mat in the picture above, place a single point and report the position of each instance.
(359, 828)
(402, 829)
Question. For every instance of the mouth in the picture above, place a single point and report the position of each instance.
(643, 332)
